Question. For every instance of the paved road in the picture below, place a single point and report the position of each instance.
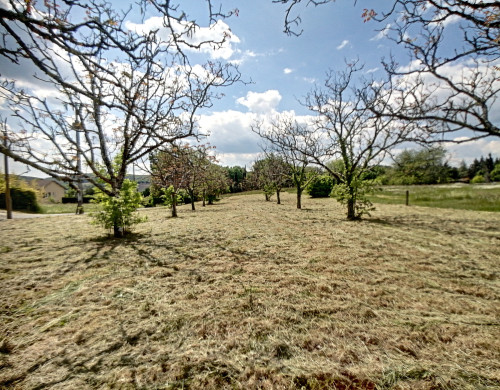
(18, 215)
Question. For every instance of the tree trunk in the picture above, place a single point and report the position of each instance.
(204, 195)
(278, 199)
(351, 210)
(174, 204)
(79, 195)
(118, 232)
(8, 199)
(299, 197)
(191, 195)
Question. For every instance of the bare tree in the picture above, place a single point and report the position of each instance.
(447, 87)
(181, 166)
(288, 138)
(170, 170)
(132, 90)
(447, 90)
(215, 182)
(346, 138)
(271, 173)
(199, 161)
(292, 21)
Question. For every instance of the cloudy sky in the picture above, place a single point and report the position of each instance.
(280, 70)
(284, 68)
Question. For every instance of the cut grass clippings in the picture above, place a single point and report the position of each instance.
(247, 294)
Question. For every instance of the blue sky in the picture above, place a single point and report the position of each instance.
(282, 69)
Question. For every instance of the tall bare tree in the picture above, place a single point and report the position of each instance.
(170, 169)
(447, 89)
(286, 137)
(345, 138)
(271, 173)
(133, 89)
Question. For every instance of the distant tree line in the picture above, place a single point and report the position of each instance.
(430, 166)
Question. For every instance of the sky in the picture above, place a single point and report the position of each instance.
(284, 69)
(280, 70)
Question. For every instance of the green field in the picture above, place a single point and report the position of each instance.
(478, 197)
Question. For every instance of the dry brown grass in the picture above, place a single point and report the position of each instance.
(249, 295)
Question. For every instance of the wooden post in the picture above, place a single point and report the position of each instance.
(407, 197)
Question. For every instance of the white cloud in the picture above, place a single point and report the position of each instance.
(310, 80)
(372, 70)
(231, 134)
(261, 103)
(287, 71)
(382, 33)
(470, 150)
(344, 43)
(217, 32)
(244, 56)
(240, 159)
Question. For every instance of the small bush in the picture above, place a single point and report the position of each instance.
(118, 212)
(321, 186)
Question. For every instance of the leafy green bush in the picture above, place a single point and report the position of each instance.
(495, 173)
(168, 198)
(477, 179)
(118, 212)
(356, 194)
(320, 187)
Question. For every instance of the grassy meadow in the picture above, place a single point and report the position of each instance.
(247, 294)
(479, 197)
(66, 208)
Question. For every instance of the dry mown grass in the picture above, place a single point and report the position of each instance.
(248, 294)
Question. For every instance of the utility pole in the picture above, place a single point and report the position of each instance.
(8, 199)
(77, 126)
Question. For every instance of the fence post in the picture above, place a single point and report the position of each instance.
(407, 197)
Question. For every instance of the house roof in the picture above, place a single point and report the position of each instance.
(45, 182)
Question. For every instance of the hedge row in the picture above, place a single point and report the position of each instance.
(22, 199)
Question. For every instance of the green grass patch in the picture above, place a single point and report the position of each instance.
(60, 208)
(476, 197)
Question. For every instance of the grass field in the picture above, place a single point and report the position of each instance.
(70, 208)
(479, 197)
(247, 294)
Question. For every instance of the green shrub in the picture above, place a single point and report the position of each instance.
(495, 173)
(356, 194)
(167, 196)
(477, 179)
(118, 211)
(321, 186)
